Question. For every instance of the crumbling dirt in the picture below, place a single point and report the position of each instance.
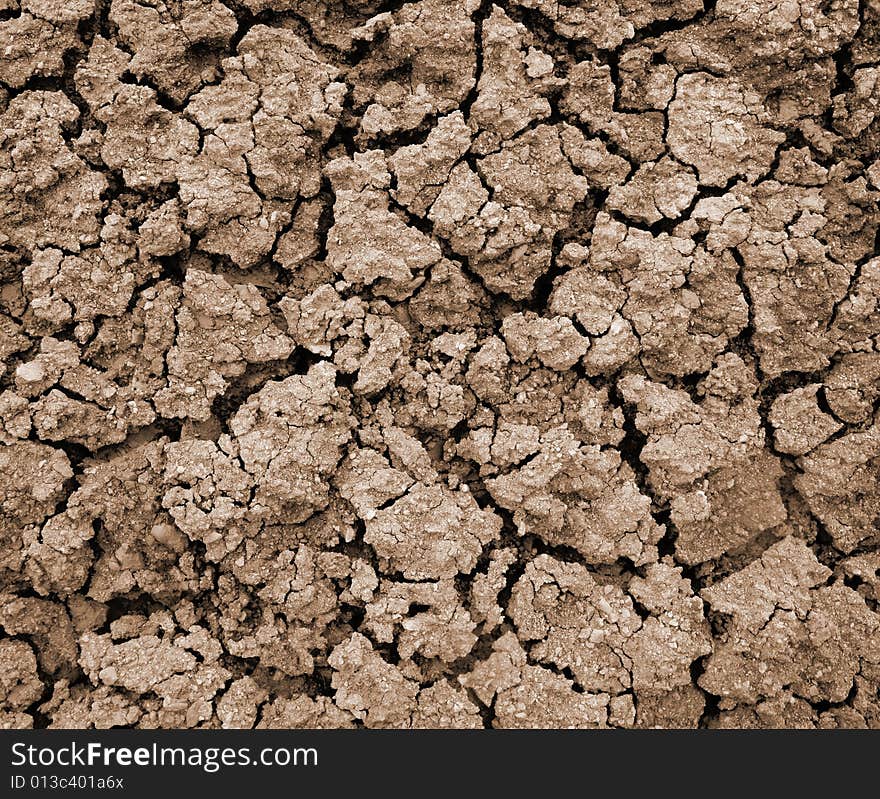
(441, 363)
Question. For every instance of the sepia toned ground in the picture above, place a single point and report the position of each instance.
(439, 364)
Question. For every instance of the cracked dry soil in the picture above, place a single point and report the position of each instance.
(439, 364)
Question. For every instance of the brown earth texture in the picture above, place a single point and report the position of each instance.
(439, 364)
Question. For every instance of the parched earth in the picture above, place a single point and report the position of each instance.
(439, 364)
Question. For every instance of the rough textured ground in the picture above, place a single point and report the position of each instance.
(439, 364)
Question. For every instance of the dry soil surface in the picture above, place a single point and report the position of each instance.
(439, 364)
